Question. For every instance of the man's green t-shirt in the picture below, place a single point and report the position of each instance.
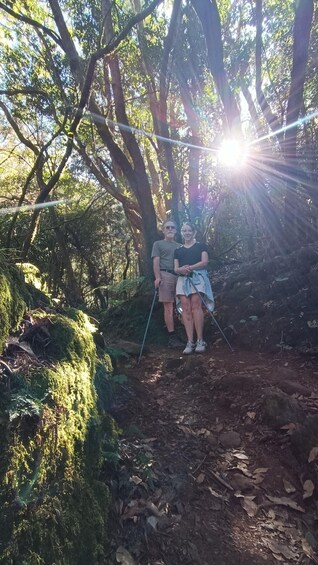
(165, 250)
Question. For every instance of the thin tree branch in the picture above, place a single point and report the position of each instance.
(17, 130)
(27, 91)
(32, 22)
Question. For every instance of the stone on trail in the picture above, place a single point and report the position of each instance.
(281, 409)
(305, 438)
(230, 439)
(129, 347)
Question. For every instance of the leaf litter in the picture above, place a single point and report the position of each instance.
(189, 500)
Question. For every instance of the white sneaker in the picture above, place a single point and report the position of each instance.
(200, 346)
(189, 348)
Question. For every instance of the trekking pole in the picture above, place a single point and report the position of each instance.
(147, 326)
(211, 314)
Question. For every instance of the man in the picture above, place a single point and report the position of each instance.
(165, 277)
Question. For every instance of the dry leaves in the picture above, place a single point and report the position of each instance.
(136, 480)
(309, 488)
(258, 475)
(240, 456)
(289, 488)
(284, 501)
(153, 509)
(200, 478)
(152, 521)
(249, 505)
(280, 549)
(313, 455)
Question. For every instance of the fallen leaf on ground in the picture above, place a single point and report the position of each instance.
(153, 509)
(278, 557)
(203, 432)
(131, 510)
(313, 455)
(153, 521)
(284, 501)
(216, 494)
(251, 415)
(279, 548)
(200, 478)
(136, 480)
(249, 506)
(124, 557)
(309, 488)
(260, 471)
(289, 488)
(241, 456)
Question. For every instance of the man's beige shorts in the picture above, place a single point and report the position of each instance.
(167, 288)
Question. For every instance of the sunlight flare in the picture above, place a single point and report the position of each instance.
(32, 207)
(232, 153)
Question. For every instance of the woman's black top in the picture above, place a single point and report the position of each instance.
(190, 255)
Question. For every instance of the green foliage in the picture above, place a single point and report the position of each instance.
(104, 210)
(32, 275)
(13, 300)
(54, 506)
(126, 289)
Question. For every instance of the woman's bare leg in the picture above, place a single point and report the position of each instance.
(197, 314)
(187, 316)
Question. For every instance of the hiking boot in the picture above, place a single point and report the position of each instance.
(189, 348)
(200, 346)
(174, 342)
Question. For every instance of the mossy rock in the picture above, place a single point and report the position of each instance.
(71, 338)
(14, 299)
(55, 431)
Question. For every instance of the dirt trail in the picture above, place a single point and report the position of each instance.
(202, 479)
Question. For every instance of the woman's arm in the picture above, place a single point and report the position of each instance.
(201, 264)
(185, 270)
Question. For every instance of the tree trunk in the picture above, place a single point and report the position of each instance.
(72, 290)
(209, 16)
(302, 28)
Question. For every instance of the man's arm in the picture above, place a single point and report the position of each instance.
(156, 271)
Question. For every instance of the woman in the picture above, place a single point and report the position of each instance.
(193, 286)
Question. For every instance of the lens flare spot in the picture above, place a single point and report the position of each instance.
(232, 153)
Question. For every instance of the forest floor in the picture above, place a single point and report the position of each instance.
(202, 478)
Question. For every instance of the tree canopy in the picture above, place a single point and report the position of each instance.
(117, 110)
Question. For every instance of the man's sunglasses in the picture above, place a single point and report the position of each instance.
(170, 227)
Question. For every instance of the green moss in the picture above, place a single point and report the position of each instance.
(32, 275)
(69, 526)
(13, 300)
(54, 507)
(5, 308)
(71, 339)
